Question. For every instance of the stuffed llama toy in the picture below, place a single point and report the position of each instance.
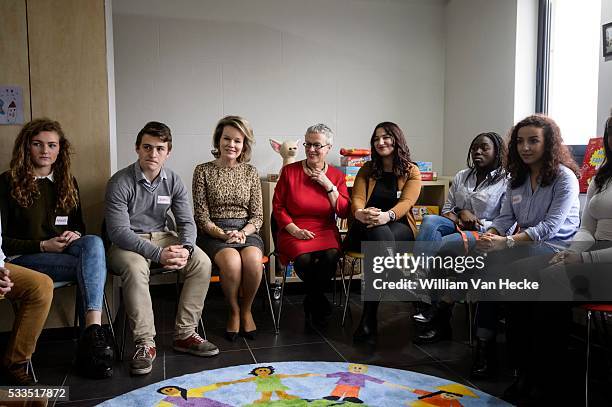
(286, 149)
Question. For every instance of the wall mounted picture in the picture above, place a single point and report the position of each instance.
(11, 105)
(607, 40)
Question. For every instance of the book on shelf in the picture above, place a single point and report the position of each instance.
(424, 166)
(355, 151)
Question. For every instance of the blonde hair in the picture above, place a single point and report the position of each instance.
(243, 126)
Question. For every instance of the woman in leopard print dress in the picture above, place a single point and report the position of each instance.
(229, 213)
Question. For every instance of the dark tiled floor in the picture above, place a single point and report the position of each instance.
(296, 341)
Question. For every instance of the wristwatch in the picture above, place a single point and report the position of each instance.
(189, 248)
(510, 242)
(333, 189)
(456, 210)
(392, 215)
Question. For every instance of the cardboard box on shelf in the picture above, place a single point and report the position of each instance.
(429, 176)
(349, 171)
(354, 161)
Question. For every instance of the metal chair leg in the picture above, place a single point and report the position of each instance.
(30, 369)
(470, 320)
(588, 357)
(201, 323)
(124, 335)
(76, 316)
(267, 288)
(280, 305)
(342, 281)
(110, 321)
(348, 291)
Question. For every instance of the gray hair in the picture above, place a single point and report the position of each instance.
(320, 128)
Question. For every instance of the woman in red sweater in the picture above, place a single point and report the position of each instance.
(309, 196)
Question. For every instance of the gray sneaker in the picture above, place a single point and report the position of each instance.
(195, 345)
(142, 361)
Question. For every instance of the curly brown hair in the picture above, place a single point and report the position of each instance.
(23, 183)
(401, 152)
(555, 152)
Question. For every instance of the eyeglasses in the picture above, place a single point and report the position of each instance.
(317, 146)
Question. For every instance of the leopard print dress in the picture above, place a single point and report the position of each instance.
(229, 197)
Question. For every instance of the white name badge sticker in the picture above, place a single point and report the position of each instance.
(163, 199)
(516, 199)
(399, 193)
(61, 220)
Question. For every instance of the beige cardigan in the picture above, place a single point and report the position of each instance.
(410, 185)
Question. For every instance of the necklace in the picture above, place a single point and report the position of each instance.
(311, 170)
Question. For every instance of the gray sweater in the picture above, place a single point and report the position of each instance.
(134, 206)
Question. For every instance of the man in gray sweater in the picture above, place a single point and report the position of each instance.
(138, 198)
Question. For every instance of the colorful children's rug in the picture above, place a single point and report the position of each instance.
(306, 384)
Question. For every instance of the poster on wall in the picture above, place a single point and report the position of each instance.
(11, 105)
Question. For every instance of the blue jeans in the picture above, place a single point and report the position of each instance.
(83, 261)
(437, 233)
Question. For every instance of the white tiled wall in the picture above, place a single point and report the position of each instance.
(282, 64)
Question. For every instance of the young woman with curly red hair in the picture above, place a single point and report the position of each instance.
(43, 229)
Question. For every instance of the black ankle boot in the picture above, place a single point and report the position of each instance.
(316, 309)
(425, 313)
(439, 327)
(94, 353)
(434, 333)
(368, 325)
(484, 360)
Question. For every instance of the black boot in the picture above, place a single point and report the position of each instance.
(484, 360)
(368, 325)
(425, 313)
(439, 328)
(316, 309)
(94, 354)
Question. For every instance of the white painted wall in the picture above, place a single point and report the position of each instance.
(282, 64)
(481, 47)
(604, 103)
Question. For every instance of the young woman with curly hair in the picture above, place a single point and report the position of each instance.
(43, 229)
(384, 192)
(542, 201)
(543, 191)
